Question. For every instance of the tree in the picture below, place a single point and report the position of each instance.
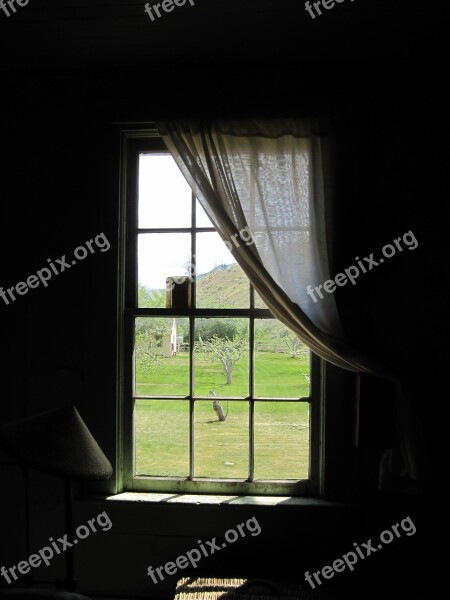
(146, 358)
(293, 343)
(227, 350)
(151, 329)
(148, 298)
(206, 329)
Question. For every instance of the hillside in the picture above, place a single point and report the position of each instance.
(224, 287)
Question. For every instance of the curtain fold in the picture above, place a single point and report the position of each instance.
(270, 178)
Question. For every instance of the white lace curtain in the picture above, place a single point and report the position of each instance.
(272, 178)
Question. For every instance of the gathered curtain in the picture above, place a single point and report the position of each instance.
(272, 178)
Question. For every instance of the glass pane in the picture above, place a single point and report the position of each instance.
(281, 440)
(259, 302)
(221, 447)
(160, 255)
(221, 283)
(161, 356)
(282, 362)
(202, 219)
(221, 357)
(162, 437)
(165, 198)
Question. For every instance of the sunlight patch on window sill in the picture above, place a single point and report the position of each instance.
(206, 499)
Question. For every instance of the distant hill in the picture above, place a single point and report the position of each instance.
(225, 286)
(217, 268)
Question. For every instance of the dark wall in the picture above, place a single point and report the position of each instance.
(59, 188)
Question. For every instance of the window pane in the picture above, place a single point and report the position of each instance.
(221, 447)
(202, 219)
(161, 356)
(282, 361)
(221, 357)
(221, 283)
(160, 255)
(281, 440)
(162, 437)
(259, 302)
(165, 198)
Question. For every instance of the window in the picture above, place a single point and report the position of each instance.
(217, 395)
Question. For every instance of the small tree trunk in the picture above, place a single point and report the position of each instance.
(229, 374)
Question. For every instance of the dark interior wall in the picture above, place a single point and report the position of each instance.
(59, 188)
(401, 153)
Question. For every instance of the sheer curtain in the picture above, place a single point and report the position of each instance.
(270, 178)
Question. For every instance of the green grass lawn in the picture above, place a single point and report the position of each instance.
(276, 375)
(221, 448)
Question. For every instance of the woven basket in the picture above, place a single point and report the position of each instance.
(198, 588)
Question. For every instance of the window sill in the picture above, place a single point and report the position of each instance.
(213, 500)
(187, 517)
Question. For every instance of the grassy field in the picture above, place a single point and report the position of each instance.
(221, 448)
(276, 375)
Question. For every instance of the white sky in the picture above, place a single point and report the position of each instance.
(165, 201)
